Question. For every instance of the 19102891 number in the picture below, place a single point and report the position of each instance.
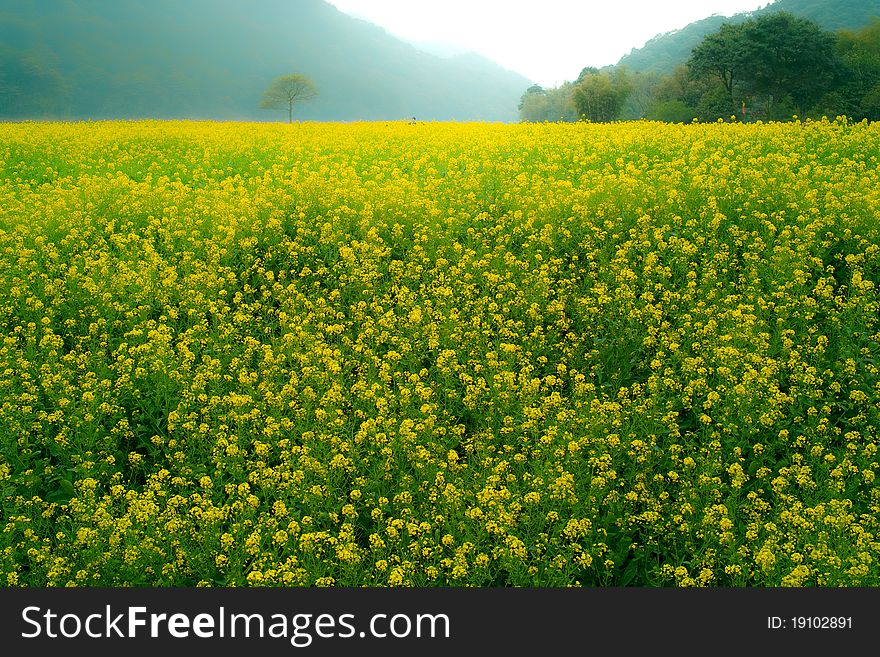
(810, 623)
(821, 622)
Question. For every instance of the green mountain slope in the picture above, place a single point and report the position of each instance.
(212, 59)
(666, 51)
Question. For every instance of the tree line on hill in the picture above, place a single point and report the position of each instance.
(771, 67)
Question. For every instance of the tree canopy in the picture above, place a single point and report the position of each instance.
(775, 58)
(723, 54)
(288, 90)
(599, 96)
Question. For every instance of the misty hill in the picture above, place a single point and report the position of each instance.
(666, 51)
(212, 59)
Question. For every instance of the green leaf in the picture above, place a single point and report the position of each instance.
(629, 573)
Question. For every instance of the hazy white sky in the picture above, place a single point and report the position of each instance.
(549, 41)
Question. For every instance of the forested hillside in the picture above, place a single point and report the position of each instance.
(666, 51)
(212, 59)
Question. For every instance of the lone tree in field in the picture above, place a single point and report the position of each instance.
(287, 91)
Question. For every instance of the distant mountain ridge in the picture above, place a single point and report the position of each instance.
(212, 59)
(666, 51)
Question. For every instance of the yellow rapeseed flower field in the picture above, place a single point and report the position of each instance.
(439, 354)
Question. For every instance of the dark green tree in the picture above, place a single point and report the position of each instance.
(788, 57)
(777, 62)
(859, 93)
(725, 55)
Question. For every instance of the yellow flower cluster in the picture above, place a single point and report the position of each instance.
(439, 354)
